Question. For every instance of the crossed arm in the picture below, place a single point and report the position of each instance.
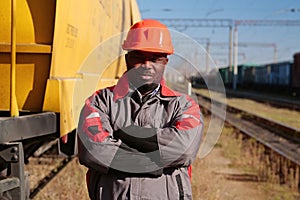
(135, 149)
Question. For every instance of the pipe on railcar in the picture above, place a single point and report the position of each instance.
(13, 99)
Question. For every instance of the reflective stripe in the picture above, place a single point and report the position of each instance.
(93, 119)
(93, 114)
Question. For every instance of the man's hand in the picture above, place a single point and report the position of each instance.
(142, 139)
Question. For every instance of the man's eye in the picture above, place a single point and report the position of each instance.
(158, 59)
(143, 58)
(161, 60)
(137, 58)
(154, 59)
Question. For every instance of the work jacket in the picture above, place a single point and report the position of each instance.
(117, 171)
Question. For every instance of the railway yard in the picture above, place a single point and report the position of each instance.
(249, 161)
(54, 54)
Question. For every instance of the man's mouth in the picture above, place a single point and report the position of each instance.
(145, 73)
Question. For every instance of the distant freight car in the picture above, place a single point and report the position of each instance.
(280, 73)
(43, 45)
(268, 75)
(295, 79)
(275, 76)
(282, 77)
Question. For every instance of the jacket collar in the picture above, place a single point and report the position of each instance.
(122, 89)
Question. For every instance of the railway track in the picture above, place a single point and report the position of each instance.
(43, 168)
(277, 145)
(279, 102)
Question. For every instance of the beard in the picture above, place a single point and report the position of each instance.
(144, 80)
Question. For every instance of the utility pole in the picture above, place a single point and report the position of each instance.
(235, 61)
(207, 48)
(207, 57)
(230, 54)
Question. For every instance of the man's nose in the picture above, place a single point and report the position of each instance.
(147, 64)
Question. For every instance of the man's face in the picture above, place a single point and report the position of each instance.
(145, 67)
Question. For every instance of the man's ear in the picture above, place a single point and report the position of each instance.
(126, 58)
(127, 62)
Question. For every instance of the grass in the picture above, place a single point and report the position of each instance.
(242, 157)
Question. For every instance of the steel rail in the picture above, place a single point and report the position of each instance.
(268, 132)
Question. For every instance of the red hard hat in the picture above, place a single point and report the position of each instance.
(149, 35)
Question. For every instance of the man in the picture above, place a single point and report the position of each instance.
(139, 138)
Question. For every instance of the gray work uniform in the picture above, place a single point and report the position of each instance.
(164, 174)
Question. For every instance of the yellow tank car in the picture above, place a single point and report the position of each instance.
(52, 40)
(53, 55)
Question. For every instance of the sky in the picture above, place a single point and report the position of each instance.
(257, 44)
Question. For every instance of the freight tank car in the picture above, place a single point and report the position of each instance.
(279, 78)
(42, 47)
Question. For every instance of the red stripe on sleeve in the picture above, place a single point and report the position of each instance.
(90, 121)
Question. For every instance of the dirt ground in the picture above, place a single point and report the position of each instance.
(213, 178)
